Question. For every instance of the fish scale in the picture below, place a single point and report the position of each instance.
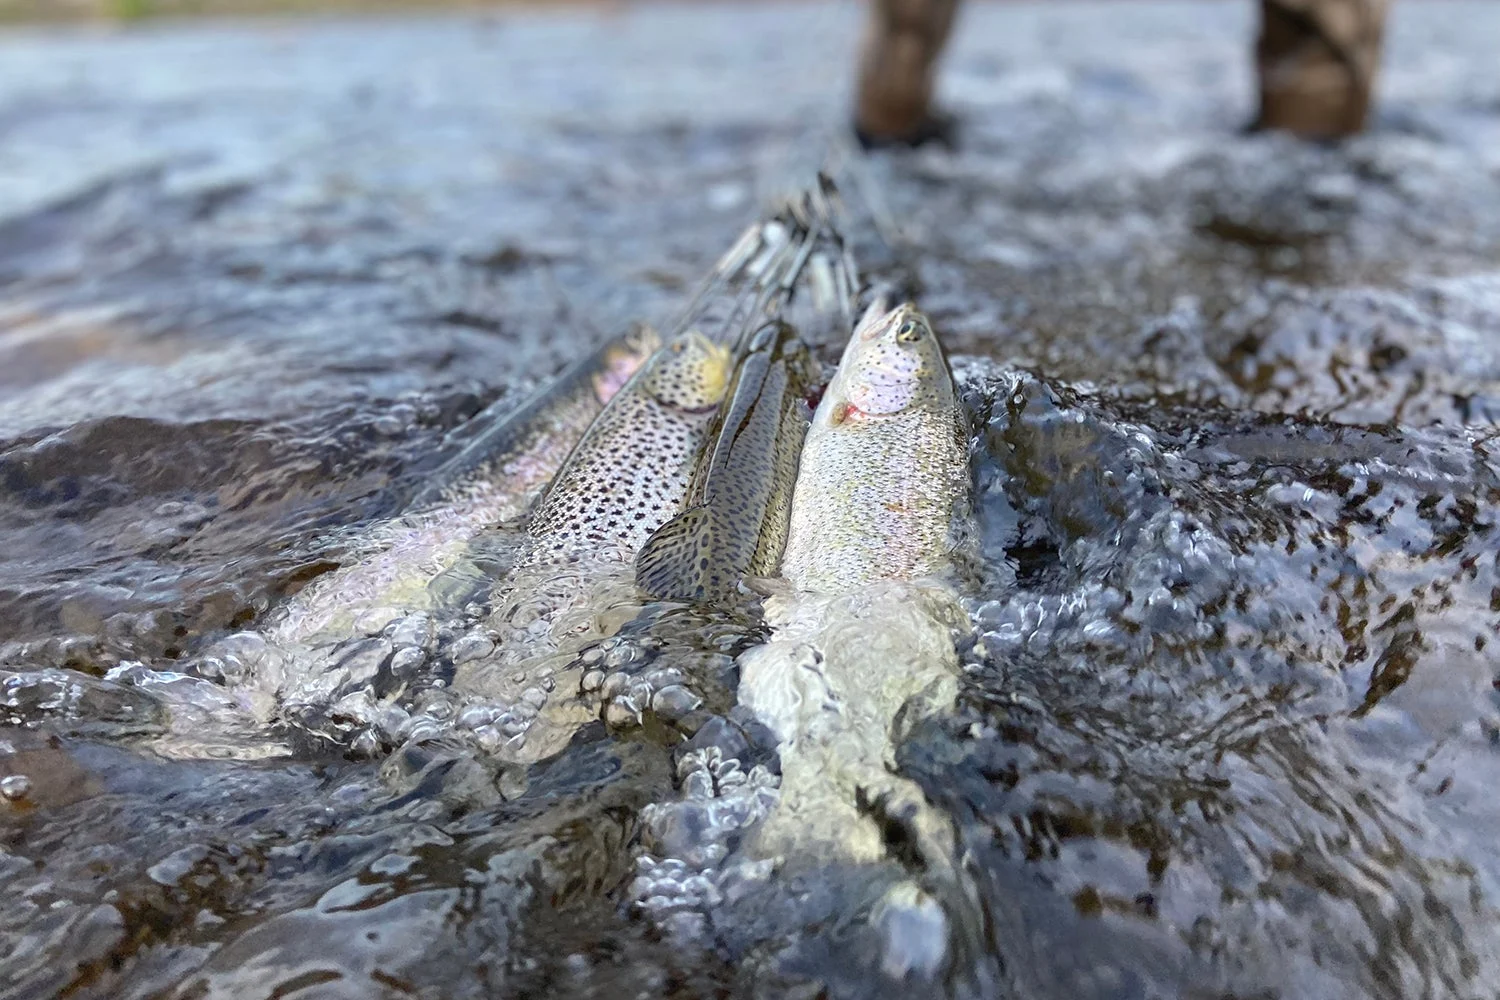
(635, 468)
(736, 521)
(423, 560)
(528, 446)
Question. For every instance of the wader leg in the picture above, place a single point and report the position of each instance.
(897, 64)
(1317, 61)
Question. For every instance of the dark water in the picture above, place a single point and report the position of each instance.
(1229, 720)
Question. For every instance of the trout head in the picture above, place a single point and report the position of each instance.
(893, 364)
(622, 359)
(690, 374)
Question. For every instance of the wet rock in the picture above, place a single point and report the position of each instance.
(407, 661)
(178, 865)
(621, 713)
(470, 648)
(674, 702)
(15, 787)
(416, 631)
(720, 734)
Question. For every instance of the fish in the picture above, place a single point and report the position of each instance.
(739, 501)
(417, 561)
(884, 485)
(573, 578)
(631, 470)
(529, 443)
(572, 585)
(862, 641)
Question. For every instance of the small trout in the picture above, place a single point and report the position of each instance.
(884, 478)
(862, 646)
(573, 580)
(631, 470)
(739, 503)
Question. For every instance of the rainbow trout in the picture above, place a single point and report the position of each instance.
(631, 470)
(329, 640)
(884, 479)
(574, 581)
(494, 479)
(523, 451)
(739, 502)
(862, 645)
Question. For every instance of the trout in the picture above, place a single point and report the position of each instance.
(862, 645)
(494, 479)
(573, 583)
(739, 502)
(573, 580)
(631, 470)
(526, 447)
(884, 479)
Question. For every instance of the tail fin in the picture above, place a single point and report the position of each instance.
(759, 277)
(679, 562)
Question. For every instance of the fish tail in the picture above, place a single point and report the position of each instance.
(681, 560)
(801, 244)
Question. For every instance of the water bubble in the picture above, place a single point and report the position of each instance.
(15, 787)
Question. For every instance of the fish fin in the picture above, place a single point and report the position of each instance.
(677, 562)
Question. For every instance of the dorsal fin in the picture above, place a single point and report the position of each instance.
(678, 562)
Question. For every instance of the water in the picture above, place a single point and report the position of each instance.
(1227, 716)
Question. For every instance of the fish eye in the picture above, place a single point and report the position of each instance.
(910, 332)
(678, 347)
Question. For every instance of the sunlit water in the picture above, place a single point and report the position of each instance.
(1225, 712)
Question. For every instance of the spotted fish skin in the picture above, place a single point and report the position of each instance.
(739, 503)
(884, 477)
(525, 449)
(632, 469)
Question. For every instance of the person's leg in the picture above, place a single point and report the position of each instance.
(1317, 61)
(897, 64)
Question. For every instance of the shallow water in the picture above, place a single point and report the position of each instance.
(1228, 715)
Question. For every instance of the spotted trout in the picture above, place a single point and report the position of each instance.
(884, 478)
(862, 645)
(574, 582)
(493, 480)
(523, 450)
(306, 655)
(631, 470)
(739, 502)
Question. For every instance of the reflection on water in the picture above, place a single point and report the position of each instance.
(1227, 714)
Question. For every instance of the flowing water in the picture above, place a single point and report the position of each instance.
(1226, 716)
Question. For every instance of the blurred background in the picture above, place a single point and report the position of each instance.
(1229, 707)
(127, 10)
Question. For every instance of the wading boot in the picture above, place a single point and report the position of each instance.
(1317, 61)
(897, 64)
